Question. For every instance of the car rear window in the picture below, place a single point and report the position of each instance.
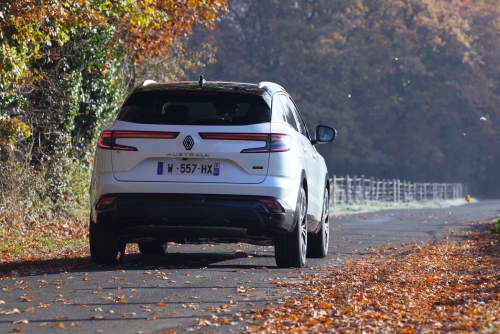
(195, 108)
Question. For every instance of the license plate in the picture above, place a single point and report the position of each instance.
(168, 168)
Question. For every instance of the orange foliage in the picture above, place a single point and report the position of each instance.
(151, 38)
(424, 287)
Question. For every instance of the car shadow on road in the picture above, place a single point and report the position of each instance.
(136, 261)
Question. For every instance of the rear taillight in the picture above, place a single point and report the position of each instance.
(107, 140)
(105, 202)
(272, 206)
(274, 142)
(280, 142)
(235, 136)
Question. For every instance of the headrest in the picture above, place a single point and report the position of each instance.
(177, 114)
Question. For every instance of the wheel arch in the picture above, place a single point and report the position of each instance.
(327, 184)
(303, 184)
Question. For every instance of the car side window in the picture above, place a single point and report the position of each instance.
(300, 120)
(288, 113)
(277, 110)
(292, 107)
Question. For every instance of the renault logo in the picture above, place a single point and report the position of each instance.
(188, 142)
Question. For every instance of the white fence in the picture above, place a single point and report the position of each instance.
(354, 189)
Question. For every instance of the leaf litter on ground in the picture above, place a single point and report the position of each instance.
(426, 287)
(452, 285)
(41, 241)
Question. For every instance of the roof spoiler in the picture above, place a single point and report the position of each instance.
(148, 82)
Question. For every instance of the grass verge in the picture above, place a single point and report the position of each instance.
(55, 239)
(374, 206)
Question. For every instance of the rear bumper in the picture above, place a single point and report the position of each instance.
(192, 216)
(286, 188)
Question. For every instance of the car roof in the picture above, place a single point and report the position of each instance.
(214, 86)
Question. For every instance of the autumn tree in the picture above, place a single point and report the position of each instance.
(64, 67)
(405, 82)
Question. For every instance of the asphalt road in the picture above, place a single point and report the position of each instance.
(157, 294)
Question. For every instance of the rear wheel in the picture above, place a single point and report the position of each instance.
(317, 246)
(291, 248)
(105, 246)
(157, 247)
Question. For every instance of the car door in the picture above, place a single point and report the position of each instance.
(309, 155)
(316, 164)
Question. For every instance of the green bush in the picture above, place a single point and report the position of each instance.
(45, 174)
(25, 194)
(496, 228)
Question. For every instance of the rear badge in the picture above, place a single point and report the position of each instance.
(188, 143)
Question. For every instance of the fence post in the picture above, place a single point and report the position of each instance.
(332, 190)
(383, 190)
(363, 187)
(404, 191)
(347, 189)
(354, 188)
(386, 191)
(371, 188)
(394, 191)
(398, 190)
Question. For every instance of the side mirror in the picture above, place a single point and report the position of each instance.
(324, 134)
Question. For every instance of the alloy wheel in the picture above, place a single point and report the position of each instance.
(326, 222)
(303, 225)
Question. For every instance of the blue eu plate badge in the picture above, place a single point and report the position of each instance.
(216, 169)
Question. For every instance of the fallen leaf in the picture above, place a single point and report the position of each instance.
(13, 311)
(98, 317)
(18, 330)
(120, 299)
(43, 305)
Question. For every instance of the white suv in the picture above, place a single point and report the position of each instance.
(195, 162)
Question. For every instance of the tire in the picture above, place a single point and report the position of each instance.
(157, 247)
(291, 248)
(317, 244)
(105, 246)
